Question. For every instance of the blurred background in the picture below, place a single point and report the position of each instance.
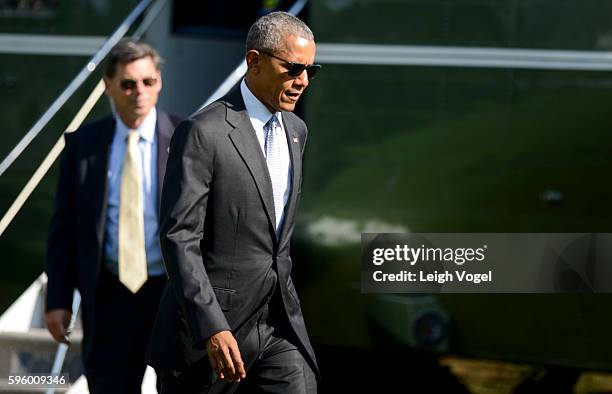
(428, 116)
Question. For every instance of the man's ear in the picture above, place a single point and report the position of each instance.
(160, 85)
(107, 85)
(252, 59)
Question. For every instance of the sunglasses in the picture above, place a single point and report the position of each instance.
(296, 69)
(127, 84)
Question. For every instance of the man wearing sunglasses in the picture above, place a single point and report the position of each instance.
(230, 318)
(104, 231)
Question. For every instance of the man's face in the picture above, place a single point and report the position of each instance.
(271, 83)
(134, 90)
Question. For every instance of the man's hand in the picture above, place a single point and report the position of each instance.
(58, 321)
(224, 356)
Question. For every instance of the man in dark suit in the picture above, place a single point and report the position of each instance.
(104, 232)
(230, 317)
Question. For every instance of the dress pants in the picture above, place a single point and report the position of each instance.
(123, 323)
(273, 362)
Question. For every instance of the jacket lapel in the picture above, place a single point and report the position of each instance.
(244, 139)
(98, 164)
(163, 129)
(295, 153)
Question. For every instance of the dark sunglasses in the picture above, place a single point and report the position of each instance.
(296, 69)
(127, 84)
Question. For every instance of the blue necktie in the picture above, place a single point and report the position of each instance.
(273, 134)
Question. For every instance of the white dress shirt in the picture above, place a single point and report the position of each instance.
(259, 116)
(148, 151)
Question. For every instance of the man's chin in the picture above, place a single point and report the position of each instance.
(141, 111)
(289, 107)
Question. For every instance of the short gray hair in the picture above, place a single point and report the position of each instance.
(128, 50)
(268, 33)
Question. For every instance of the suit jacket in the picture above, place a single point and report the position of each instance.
(75, 246)
(217, 234)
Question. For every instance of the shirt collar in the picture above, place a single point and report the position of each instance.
(146, 128)
(257, 111)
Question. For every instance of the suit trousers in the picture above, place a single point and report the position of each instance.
(273, 362)
(123, 322)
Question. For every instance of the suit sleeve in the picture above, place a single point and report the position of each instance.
(187, 181)
(61, 242)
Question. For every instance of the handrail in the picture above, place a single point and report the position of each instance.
(456, 56)
(48, 161)
(73, 86)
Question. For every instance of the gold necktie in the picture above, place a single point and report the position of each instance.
(132, 255)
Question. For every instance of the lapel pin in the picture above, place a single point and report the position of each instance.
(168, 149)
